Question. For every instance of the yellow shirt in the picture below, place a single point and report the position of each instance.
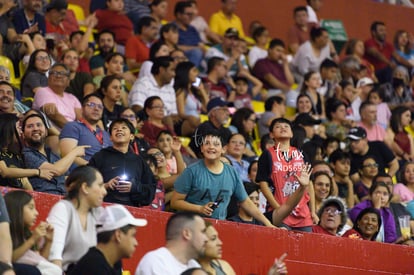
(219, 23)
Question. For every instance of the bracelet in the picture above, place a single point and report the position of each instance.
(38, 173)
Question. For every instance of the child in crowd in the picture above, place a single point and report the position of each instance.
(330, 145)
(341, 164)
(377, 97)
(243, 97)
(169, 35)
(29, 247)
(164, 142)
(159, 199)
(347, 95)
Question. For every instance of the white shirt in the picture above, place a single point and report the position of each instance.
(162, 262)
(255, 54)
(146, 87)
(312, 17)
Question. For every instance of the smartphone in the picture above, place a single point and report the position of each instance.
(197, 82)
(216, 203)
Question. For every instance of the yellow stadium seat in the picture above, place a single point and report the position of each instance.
(185, 141)
(258, 106)
(6, 62)
(203, 118)
(78, 11)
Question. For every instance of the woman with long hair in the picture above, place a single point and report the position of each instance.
(403, 145)
(405, 189)
(74, 218)
(111, 90)
(356, 48)
(366, 226)
(157, 49)
(35, 75)
(191, 98)
(311, 84)
(243, 122)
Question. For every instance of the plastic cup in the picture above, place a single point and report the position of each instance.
(405, 226)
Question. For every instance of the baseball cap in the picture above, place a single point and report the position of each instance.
(57, 5)
(339, 203)
(365, 81)
(306, 119)
(357, 133)
(231, 32)
(217, 102)
(116, 216)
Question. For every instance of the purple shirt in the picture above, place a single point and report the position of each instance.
(265, 66)
(390, 234)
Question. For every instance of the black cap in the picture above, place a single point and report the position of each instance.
(217, 102)
(357, 133)
(57, 5)
(306, 119)
(231, 32)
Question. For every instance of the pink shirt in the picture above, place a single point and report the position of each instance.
(65, 104)
(405, 193)
(375, 133)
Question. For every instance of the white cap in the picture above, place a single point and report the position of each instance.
(364, 82)
(116, 216)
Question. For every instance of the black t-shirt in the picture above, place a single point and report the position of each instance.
(94, 262)
(382, 154)
(11, 160)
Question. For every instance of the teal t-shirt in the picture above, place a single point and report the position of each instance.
(202, 186)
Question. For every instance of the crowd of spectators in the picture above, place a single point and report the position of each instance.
(163, 115)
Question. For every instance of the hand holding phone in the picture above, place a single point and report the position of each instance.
(216, 203)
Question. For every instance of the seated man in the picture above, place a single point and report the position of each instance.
(29, 19)
(137, 47)
(85, 131)
(230, 51)
(217, 82)
(299, 32)
(37, 156)
(361, 147)
(188, 37)
(127, 177)
(106, 45)
(157, 84)
(253, 191)
(332, 217)
(116, 237)
(56, 27)
(225, 18)
(234, 152)
(59, 106)
(179, 252)
(274, 70)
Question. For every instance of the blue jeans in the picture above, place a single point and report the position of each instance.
(195, 56)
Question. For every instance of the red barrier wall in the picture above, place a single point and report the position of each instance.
(251, 249)
(357, 15)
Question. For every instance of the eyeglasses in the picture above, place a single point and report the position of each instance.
(42, 58)
(94, 105)
(371, 165)
(333, 212)
(59, 73)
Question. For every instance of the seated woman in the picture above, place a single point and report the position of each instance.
(211, 260)
(403, 145)
(35, 75)
(405, 189)
(322, 186)
(311, 84)
(12, 168)
(191, 98)
(167, 145)
(336, 125)
(356, 49)
(366, 226)
(404, 47)
(379, 197)
(243, 122)
(367, 172)
(74, 218)
(29, 247)
(154, 109)
(111, 90)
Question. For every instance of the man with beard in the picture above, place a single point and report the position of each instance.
(85, 131)
(106, 45)
(37, 156)
(381, 53)
(28, 19)
(7, 98)
(186, 240)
